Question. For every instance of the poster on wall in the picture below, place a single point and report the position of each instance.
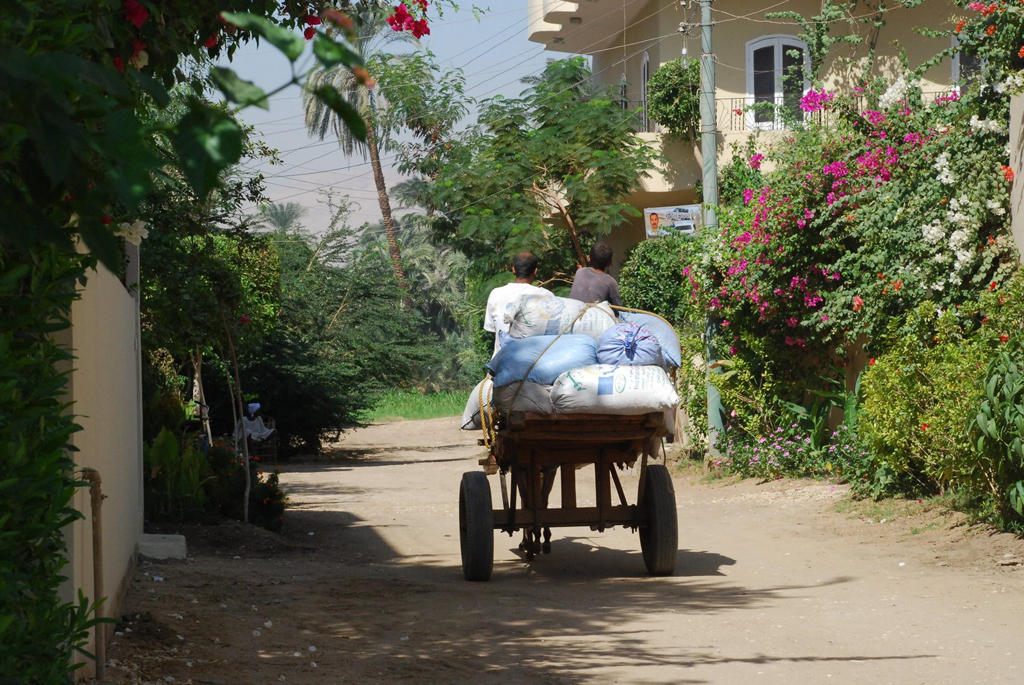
(678, 220)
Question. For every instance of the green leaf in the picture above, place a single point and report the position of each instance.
(207, 142)
(330, 53)
(291, 44)
(340, 106)
(238, 90)
(154, 88)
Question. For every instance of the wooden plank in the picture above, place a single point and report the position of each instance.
(609, 436)
(604, 486)
(583, 516)
(568, 472)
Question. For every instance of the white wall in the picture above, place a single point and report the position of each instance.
(105, 389)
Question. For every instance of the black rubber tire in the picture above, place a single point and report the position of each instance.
(476, 526)
(659, 538)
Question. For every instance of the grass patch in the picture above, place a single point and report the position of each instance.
(405, 405)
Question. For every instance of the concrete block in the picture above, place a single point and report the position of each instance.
(162, 547)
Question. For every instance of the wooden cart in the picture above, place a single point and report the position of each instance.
(532, 449)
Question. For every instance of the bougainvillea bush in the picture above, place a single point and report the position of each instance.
(867, 214)
(879, 202)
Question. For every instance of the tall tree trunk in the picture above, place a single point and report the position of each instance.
(385, 205)
(241, 412)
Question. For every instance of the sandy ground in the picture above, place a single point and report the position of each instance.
(780, 582)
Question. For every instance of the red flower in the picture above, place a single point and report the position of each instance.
(925, 426)
(1008, 174)
(309, 32)
(992, 285)
(737, 112)
(871, 362)
(211, 42)
(119, 63)
(858, 303)
(959, 27)
(312, 20)
(1020, 53)
(105, 219)
(1004, 338)
(991, 29)
(244, 318)
(400, 19)
(420, 28)
(135, 13)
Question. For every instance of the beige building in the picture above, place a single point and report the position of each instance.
(629, 39)
(106, 391)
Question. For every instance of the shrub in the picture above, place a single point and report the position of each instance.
(652, 279)
(175, 479)
(922, 399)
(673, 97)
(226, 489)
(999, 429)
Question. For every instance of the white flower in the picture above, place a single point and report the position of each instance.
(957, 239)
(996, 207)
(942, 166)
(133, 233)
(933, 232)
(894, 94)
(938, 285)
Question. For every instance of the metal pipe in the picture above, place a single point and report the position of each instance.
(97, 497)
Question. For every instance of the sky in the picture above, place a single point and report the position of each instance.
(493, 53)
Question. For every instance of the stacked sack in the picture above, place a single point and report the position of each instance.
(564, 356)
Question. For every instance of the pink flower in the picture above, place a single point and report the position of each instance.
(748, 195)
(755, 161)
(857, 303)
(875, 118)
(816, 100)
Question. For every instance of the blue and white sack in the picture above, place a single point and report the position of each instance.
(537, 314)
(517, 355)
(621, 390)
(671, 352)
(595, 320)
(629, 344)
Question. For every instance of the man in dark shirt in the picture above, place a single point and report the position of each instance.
(592, 283)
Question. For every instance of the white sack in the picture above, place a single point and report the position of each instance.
(471, 416)
(533, 398)
(532, 315)
(596, 320)
(605, 389)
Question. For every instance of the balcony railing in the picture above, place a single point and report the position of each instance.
(744, 115)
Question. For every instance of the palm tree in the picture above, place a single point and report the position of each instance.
(373, 34)
(283, 218)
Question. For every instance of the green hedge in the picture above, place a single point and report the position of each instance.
(39, 633)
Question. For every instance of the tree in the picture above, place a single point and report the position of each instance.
(373, 34)
(282, 217)
(548, 173)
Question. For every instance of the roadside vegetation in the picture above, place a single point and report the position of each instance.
(864, 291)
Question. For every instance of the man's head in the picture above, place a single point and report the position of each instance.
(655, 219)
(524, 266)
(601, 256)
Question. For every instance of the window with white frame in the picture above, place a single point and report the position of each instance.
(777, 69)
(645, 76)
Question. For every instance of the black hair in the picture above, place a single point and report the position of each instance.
(600, 256)
(524, 265)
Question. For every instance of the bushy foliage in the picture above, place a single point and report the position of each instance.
(673, 97)
(39, 632)
(651, 279)
(867, 214)
(922, 398)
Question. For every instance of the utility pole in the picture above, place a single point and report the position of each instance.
(709, 155)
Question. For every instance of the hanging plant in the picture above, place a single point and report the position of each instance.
(673, 97)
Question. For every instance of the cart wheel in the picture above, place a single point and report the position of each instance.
(659, 539)
(476, 526)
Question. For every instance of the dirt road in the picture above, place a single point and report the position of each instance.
(773, 585)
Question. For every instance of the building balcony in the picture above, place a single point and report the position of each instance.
(580, 27)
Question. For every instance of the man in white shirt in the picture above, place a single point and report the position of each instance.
(501, 300)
